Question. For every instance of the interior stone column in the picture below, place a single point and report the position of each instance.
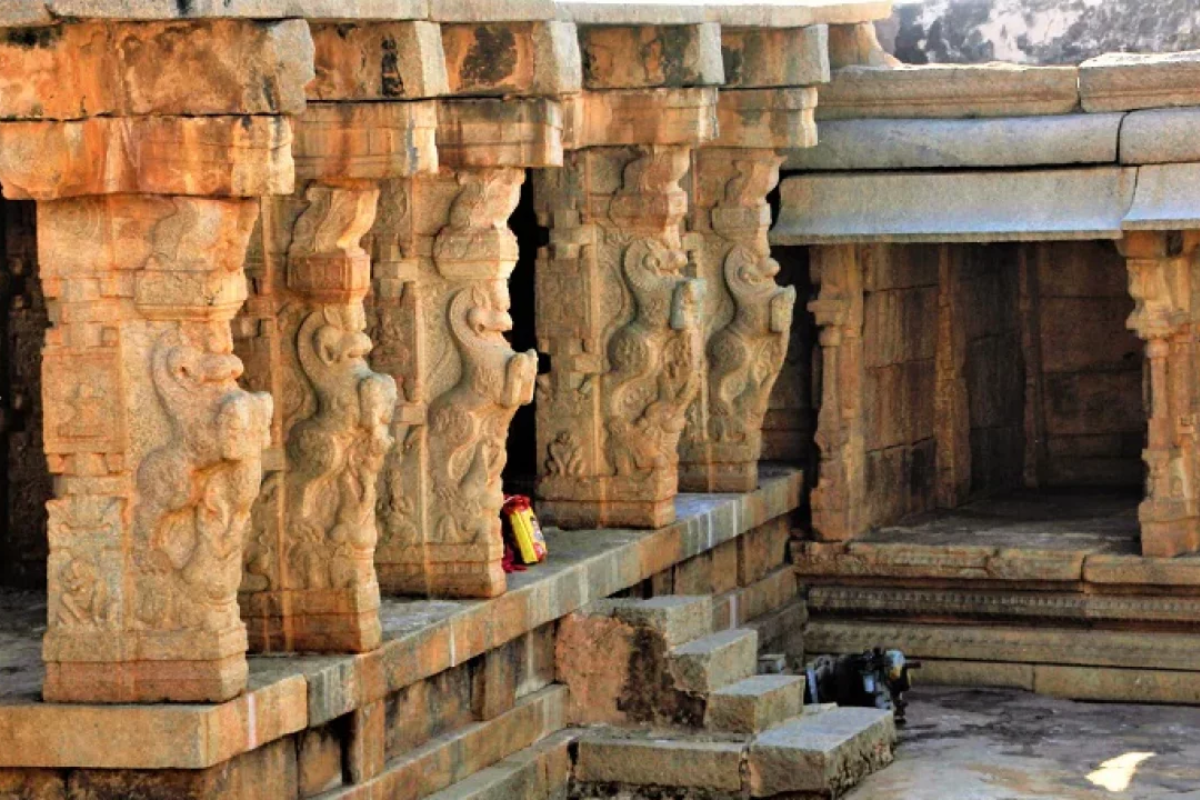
(839, 499)
(618, 312)
(144, 213)
(1164, 276)
(310, 581)
(441, 306)
(747, 316)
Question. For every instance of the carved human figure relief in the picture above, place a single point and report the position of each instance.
(196, 490)
(469, 423)
(745, 356)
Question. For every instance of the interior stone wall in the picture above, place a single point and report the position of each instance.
(25, 483)
(1091, 367)
(791, 420)
(995, 368)
(899, 346)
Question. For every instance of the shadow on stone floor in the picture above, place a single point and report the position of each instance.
(984, 744)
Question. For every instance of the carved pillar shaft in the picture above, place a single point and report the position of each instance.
(838, 501)
(747, 318)
(1163, 279)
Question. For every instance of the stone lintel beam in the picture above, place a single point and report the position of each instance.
(765, 58)
(374, 61)
(487, 132)
(766, 119)
(511, 58)
(949, 91)
(206, 156)
(640, 116)
(1162, 279)
(366, 141)
(87, 69)
(651, 56)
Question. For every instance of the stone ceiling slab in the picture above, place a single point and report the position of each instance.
(955, 206)
(938, 143)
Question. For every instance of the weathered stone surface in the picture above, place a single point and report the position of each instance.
(392, 61)
(1135, 570)
(955, 206)
(825, 753)
(319, 760)
(974, 562)
(213, 156)
(758, 58)
(858, 44)
(937, 143)
(766, 119)
(1117, 685)
(641, 116)
(713, 661)
(989, 90)
(1165, 198)
(1158, 136)
(755, 704)
(495, 11)
(500, 133)
(77, 70)
(752, 14)
(677, 618)
(365, 141)
(20, 13)
(659, 762)
(1127, 81)
(512, 58)
(650, 56)
(537, 772)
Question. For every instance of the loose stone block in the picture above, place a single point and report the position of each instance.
(761, 58)
(211, 156)
(1127, 81)
(955, 206)
(660, 762)
(1159, 136)
(649, 56)
(88, 69)
(886, 144)
(378, 61)
(827, 752)
(945, 91)
(713, 661)
(755, 704)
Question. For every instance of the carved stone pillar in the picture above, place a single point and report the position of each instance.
(143, 223)
(1164, 278)
(441, 310)
(310, 581)
(747, 316)
(839, 499)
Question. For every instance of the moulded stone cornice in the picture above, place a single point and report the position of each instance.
(1127, 81)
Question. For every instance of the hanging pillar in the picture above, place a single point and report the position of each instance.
(143, 223)
(1163, 279)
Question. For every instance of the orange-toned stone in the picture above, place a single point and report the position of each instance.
(358, 62)
(511, 58)
(366, 141)
(646, 56)
(513, 132)
(215, 156)
(88, 69)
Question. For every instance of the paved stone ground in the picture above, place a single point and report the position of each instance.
(983, 744)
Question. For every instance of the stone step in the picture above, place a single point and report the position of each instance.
(710, 662)
(677, 618)
(825, 753)
(609, 758)
(539, 772)
(755, 704)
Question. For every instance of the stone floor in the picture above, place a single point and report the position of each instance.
(1102, 521)
(984, 744)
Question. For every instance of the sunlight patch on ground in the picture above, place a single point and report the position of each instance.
(1117, 773)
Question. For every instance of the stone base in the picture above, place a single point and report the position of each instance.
(575, 515)
(723, 478)
(466, 579)
(1170, 539)
(145, 681)
(313, 621)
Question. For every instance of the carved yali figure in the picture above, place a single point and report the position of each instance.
(336, 454)
(746, 355)
(469, 423)
(654, 360)
(196, 491)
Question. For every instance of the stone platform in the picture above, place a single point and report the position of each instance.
(433, 694)
(1035, 590)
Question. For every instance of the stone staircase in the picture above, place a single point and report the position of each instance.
(693, 721)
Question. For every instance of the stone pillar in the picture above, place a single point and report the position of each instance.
(442, 307)
(1163, 279)
(951, 402)
(617, 310)
(839, 499)
(143, 220)
(747, 317)
(310, 580)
